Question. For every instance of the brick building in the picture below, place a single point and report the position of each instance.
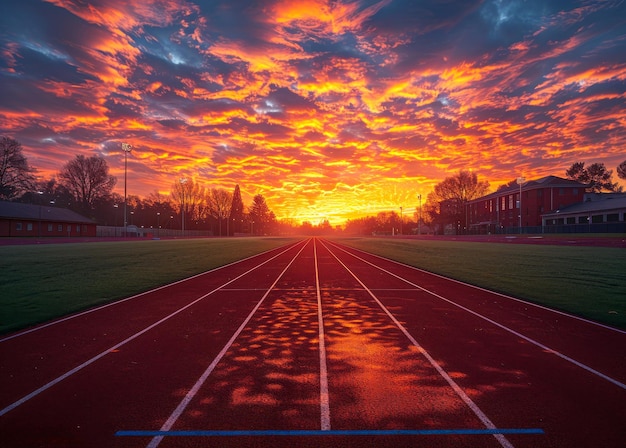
(28, 220)
(500, 211)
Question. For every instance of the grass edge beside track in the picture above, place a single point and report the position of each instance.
(39, 283)
(588, 282)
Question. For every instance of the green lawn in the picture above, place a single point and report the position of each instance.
(41, 282)
(587, 281)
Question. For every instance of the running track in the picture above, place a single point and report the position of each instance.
(315, 345)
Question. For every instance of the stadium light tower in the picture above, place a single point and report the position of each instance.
(183, 181)
(520, 182)
(127, 148)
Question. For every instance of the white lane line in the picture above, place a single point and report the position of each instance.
(125, 341)
(171, 420)
(497, 324)
(324, 397)
(457, 389)
(117, 302)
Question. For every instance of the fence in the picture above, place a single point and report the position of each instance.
(140, 232)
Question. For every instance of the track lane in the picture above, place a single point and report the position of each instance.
(516, 382)
(132, 382)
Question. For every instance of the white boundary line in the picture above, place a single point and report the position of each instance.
(324, 396)
(457, 389)
(493, 322)
(175, 415)
(125, 341)
(117, 302)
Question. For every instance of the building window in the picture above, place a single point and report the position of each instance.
(49, 227)
(510, 202)
(583, 220)
(575, 191)
(60, 228)
(571, 220)
(596, 219)
(18, 226)
(503, 203)
(69, 228)
(613, 217)
(29, 227)
(77, 228)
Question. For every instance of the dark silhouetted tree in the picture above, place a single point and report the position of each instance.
(621, 170)
(88, 180)
(445, 205)
(236, 212)
(596, 177)
(260, 216)
(16, 176)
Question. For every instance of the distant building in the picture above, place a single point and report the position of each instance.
(603, 212)
(501, 211)
(28, 220)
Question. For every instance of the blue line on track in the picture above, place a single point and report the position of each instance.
(384, 432)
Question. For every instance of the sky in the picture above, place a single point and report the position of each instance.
(331, 109)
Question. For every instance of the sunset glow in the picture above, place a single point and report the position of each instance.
(329, 109)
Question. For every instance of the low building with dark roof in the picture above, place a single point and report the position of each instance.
(29, 220)
(599, 212)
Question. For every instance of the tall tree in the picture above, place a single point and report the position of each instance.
(621, 170)
(236, 212)
(446, 203)
(191, 200)
(596, 176)
(260, 215)
(16, 176)
(88, 180)
(220, 201)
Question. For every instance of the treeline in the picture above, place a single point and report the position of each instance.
(85, 186)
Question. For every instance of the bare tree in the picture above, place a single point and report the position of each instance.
(88, 180)
(446, 203)
(16, 176)
(190, 197)
(220, 202)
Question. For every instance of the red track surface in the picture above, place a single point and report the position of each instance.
(239, 349)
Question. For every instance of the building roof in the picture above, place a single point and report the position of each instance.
(16, 210)
(609, 202)
(544, 182)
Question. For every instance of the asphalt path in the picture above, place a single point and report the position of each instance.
(315, 344)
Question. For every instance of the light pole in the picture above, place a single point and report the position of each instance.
(126, 148)
(183, 181)
(115, 206)
(520, 181)
(419, 217)
(158, 225)
(401, 221)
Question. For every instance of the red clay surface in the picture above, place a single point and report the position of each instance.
(238, 349)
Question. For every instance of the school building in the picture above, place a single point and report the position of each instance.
(29, 220)
(550, 204)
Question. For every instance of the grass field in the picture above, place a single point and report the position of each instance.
(586, 281)
(41, 282)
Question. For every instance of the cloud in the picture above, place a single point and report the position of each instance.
(328, 108)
